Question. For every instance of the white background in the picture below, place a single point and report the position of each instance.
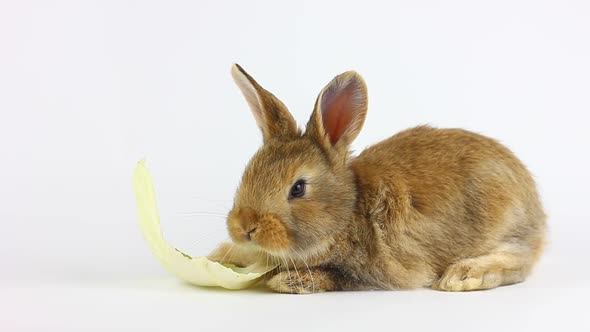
(89, 87)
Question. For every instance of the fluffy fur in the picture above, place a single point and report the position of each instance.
(441, 208)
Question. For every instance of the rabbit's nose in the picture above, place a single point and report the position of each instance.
(248, 223)
(248, 234)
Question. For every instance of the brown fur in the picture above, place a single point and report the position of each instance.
(441, 208)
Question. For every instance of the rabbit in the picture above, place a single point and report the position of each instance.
(447, 209)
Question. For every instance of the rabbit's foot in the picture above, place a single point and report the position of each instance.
(482, 272)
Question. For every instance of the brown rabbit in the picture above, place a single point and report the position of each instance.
(441, 208)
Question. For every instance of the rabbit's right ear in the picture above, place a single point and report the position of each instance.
(339, 113)
(272, 116)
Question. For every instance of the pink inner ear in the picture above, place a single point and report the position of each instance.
(337, 111)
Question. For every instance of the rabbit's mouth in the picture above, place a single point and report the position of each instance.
(266, 231)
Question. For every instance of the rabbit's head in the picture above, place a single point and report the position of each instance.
(297, 193)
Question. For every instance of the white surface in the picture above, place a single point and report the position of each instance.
(88, 88)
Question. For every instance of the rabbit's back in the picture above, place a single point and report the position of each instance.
(445, 194)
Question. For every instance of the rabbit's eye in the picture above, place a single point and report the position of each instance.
(297, 190)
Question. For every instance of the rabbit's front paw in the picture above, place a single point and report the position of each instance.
(303, 282)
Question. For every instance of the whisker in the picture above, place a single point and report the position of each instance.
(217, 203)
(211, 214)
(288, 271)
(297, 273)
(211, 199)
(217, 221)
(207, 235)
(277, 269)
(222, 258)
(308, 269)
(258, 257)
(281, 274)
(230, 260)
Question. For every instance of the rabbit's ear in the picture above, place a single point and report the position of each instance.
(270, 113)
(339, 111)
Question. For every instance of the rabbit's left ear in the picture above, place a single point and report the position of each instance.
(272, 116)
(339, 112)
